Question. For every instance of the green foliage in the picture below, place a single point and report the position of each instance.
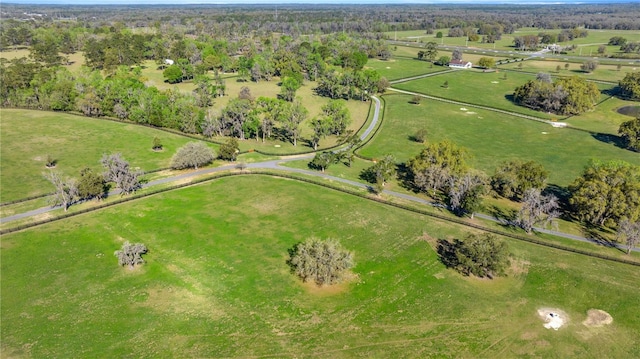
(481, 255)
(514, 177)
(322, 160)
(117, 170)
(607, 193)
(157, 144)
(439, 35)
(229, 150)
(566, 96)
(630, 132)
(420, 136)
(432, 168)
(416, 100)
(130, 254)
(617, 41)
(443, 60)
(466, 191)
(192, 155)
(323, 262)
(381, 172)
(91, 185)
(289, 87)
(630, 86)
(487, 62)
(172, 74)
(65, 190)
(338, 113)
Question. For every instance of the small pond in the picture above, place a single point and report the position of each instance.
(633, 111)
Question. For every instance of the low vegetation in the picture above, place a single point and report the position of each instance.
(321, 262)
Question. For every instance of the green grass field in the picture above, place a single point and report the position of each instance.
(222, 287)
(491, 138)
(399, 68)
(602, 73)
(75, 142)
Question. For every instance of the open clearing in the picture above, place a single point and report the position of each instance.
(222, 287)
(491, 138)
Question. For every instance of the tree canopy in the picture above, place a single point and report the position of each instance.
(630, 86)
(323, 262)
(565, 96)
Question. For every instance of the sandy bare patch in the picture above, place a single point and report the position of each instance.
(328, 290)
(519, 267)
(528, 336)
(182, 301)
(597, 318)
(554, 318)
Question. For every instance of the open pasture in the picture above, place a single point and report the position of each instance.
(223, 288)
(602, 73)
(75, 142)
(398, 68)
(490, 137)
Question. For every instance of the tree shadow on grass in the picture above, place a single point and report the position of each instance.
(511, 98)
(447, 252)
(505, 216)
(610, 139)
(592, 233)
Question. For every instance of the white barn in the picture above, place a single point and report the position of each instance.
(459, 64)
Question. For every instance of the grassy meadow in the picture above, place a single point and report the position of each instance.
(604, 72)
(75, 142)
(491, 138)
(223, 289)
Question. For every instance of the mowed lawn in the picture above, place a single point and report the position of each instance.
(216, 284)
(399, 68)
(490, 137)
(75, 142)
(481, 88)
(602, 73)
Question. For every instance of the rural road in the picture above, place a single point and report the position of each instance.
(277, 165)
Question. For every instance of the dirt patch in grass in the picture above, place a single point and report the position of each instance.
(597, 318)
(328, 290)
(181, 301)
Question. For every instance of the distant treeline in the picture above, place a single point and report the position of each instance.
(296, 19)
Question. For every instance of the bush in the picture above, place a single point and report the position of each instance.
(420, 136)
(157, 144)
(131, 254)
(481, 255)
(323, 262)
(229, 150)
(192, 155)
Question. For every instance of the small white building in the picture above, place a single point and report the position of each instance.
(168, 62)
(459, 64)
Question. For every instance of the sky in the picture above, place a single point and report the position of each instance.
(231, 2)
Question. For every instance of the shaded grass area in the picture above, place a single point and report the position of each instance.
(491, 138)
(223, 289)
(75, 142)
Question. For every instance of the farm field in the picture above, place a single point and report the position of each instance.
(76, 142)
(491, 138)
(202, 293)
(399, 67)
(608, 73)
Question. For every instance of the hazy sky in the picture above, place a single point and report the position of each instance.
(132, 2)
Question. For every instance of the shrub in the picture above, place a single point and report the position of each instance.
(131, 254)
(192, 155)
(323, 262)
(481, 255)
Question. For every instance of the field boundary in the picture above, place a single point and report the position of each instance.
(329, 186)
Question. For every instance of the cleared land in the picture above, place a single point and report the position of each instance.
(222, 288)
(75, 142)
(491, 138)
(602, 73)
(399, 68)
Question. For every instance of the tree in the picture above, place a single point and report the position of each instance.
(130, 254)
(204, 91)
(456, 55)
(487, 62)
(481, 255)
(435, 164)
(629, 232)
(565, 96)
(289, 87)
(430, 51)
(589, 66)
(420, 136)
(606, 193)
(617, 41)
(381, 172)
(91, 185)
(229, 150)
(172, 74)
(630, 86)
(544, 77)
(294, 114)
(566, 66)
(602, 49)
(66, 190)
(322, 160)
(443, 60)
(630, 132)
(416, 99)
(192, 155)
(323, 262)
(321, 127)
(117, 170)
(466, 191)
(513, 178)
(439, 35)
(338, 112)
(537, 208)
(157, 144)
